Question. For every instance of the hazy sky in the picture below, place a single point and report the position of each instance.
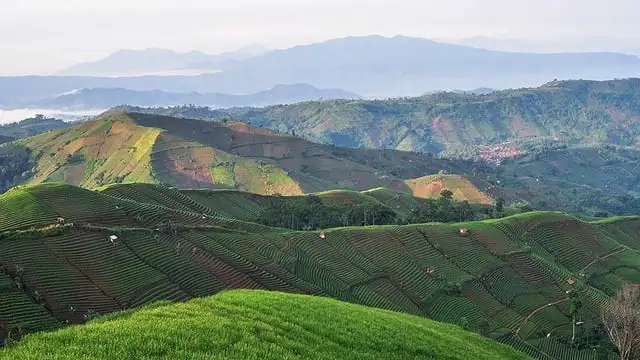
(45, 35)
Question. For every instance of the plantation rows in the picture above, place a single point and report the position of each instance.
(156, 195)
(478, 280)
(21, 210)
(82, 270)
(548, 349)
(17, 309)
(232, 204)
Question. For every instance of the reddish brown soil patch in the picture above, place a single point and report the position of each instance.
(444, 128)
(427, 189)
(246, 129)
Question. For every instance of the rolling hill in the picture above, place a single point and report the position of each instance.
(32, 126)
(504, 278)
(462, 187)
(573, 112)
(129, 147)
(245, 325)
(124, 147)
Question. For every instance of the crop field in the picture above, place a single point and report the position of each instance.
(462, 188)
(498, 279)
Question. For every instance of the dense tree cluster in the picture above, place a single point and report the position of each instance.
(15, 165)
(312, 213)
(444, 209)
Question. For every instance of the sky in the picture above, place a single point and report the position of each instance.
(41, 36)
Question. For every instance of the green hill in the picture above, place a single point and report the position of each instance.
(581, 111)
(319, 210)
(497, 279)
(125, 147)
(139, 148)
(260, 325)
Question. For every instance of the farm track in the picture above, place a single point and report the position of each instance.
(603, 257)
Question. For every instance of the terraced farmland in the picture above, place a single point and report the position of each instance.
(497, 279)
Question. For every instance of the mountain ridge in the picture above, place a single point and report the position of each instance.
(376, 67)
(575, 111)
(103, 98)
(151, 60)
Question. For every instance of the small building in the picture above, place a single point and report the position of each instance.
(60, 220)
(322, 235)
(463, 232)
(570, 281)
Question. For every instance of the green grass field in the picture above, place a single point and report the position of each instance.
(260, 325)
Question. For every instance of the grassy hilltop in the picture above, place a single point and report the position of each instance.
(498, 279)
(260, 325)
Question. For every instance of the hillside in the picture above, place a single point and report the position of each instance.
(376, 66)
(463, 188)
(104, 98)
(32, 126)
(585, 112)
(129, 147)
(121, 147)
(506, 279)
(245, 324)
(380, 206)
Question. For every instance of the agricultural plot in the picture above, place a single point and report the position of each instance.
(228, 203)
(19, 311)
(156, 195)
(175, 245)
(21, 210)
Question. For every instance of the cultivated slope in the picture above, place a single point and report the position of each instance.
(587, 112)
(251, 207)
(462, 187)
(130, 147)
(133, 147)
(260, 325)
(498, 280)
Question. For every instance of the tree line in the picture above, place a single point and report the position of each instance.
(312, 213)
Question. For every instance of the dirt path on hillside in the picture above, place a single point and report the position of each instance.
(536, 311)
(602, 258)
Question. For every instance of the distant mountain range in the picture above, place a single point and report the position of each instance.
(153, 61)
(557, 44)
(372, 66)
(103, 98)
